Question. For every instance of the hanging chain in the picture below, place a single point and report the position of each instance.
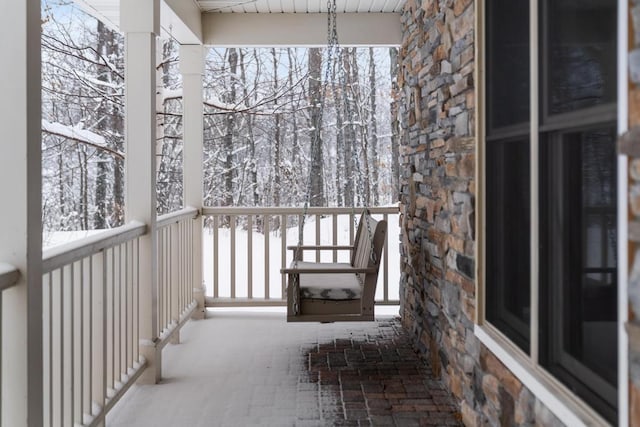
(332, 49)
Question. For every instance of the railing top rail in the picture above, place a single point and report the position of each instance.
(9, 276)
(177, 216)
(62, 255)
(295, 210)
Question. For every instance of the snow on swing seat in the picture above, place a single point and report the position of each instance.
(329, 286)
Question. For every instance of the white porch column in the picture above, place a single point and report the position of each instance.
(21, 225)
(140, 23)
(192, 69)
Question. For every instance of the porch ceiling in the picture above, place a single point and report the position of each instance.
(300, 6)
(267, 22)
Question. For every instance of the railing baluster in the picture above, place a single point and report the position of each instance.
(232, 230)
(105, 337)
(136, 304)
(267, 271)
(318, 219)
(386, 262)
(112, 312)
(169, 277)
(118, 319)
(283, 255)
(123, 311)
(73, 347)
(335, 236)
(51, 395)
(250, 256)
(62, 359)
(216, 255)
(162, 273)
(92, 307)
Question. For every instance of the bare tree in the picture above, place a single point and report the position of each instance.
(395, 125)
(315, 125)
(373, 126)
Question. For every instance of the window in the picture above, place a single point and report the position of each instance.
(507, 160)
(575, 169)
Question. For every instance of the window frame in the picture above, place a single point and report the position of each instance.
(555, 395)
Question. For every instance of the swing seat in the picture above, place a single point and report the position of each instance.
(337, 292)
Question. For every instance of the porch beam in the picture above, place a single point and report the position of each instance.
(182, 21)
(140, 23)
(298, 29)
(192, 70)
(21, 225)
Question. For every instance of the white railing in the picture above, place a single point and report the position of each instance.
(90, 325)
(9, 276)
(245, 248)
(176, 270)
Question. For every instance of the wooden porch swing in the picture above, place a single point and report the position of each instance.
(333, 292)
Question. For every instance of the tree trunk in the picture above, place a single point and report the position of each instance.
(340, 155)
(275, 191)
(295, 145)
(100, 215)
(395, 126)
(359, 118)
(229, 126)
(349, 132)
(373, 126)
(252, 164)
(315, 94)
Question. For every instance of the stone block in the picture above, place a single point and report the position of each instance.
(629, 142)
(491, 364)
(470, 417)
(634, 106)
(634, 404)
(544, 417)
(462, 124)
(463, 24)
(524, 408)
(459, 6)
(634, 199)
(491, 390)
(634, 169)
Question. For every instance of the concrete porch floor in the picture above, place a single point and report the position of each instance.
(248, 368)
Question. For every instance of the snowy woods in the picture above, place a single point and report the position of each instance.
(263, 108)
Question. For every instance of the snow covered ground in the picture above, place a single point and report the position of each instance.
(275, 257)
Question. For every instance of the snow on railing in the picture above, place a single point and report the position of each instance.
(176, 263)
(9, 276)
(245, 248)
(91, 325)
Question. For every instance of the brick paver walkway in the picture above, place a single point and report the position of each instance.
(378, 380)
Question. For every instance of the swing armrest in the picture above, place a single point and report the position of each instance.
(322, 247)
(337, 270)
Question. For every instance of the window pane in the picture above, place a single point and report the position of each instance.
(507, 63)
(508, 223)
(578, 262)
(582, 54)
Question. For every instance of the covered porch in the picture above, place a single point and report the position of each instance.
(517, 232)
(83, 322)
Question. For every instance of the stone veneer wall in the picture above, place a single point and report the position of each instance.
(437, 118)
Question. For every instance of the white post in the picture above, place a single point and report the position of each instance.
(140, 23)
(191, 68)
(21, 225)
